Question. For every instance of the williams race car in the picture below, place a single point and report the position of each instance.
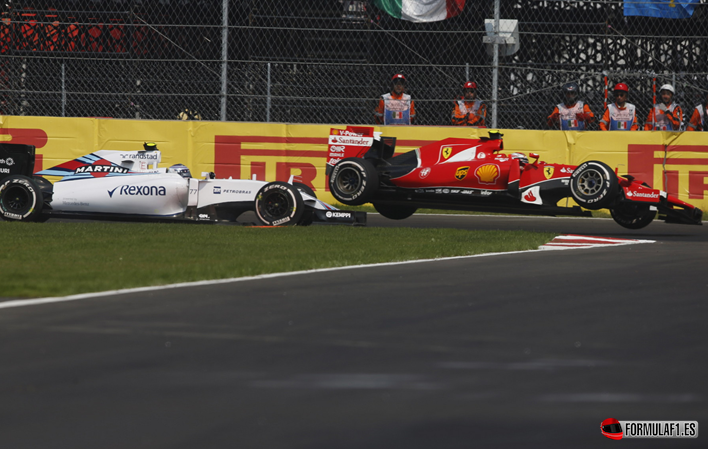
(128, 185)
(474, 174)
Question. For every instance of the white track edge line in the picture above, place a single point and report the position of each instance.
(51, 300)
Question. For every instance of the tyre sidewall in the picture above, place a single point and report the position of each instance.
(295, 205)
(36, 198)
(366, 188)
(605, 196)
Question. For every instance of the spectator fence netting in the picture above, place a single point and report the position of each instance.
(327, 61)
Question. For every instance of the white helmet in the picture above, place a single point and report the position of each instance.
(668, 87)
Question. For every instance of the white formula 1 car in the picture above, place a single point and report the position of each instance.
(128, 185)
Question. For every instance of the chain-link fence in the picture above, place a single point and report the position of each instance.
(327, 61)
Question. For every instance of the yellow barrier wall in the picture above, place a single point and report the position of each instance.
(676, 162)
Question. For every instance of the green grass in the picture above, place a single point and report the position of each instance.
(57, 259)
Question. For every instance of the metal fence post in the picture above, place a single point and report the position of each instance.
(224, 55)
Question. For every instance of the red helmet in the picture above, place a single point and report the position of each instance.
(621, 87)
(398, 77)
(470, 85)
(611, 428)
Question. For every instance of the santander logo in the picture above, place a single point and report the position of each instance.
(530, 197)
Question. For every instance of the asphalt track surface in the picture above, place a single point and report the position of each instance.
(527, 350)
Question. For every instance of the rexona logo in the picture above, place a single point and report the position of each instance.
(139, 191)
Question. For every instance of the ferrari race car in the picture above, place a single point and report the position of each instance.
(474, 174)
(128, 185)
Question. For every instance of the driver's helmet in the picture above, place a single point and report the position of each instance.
(181, 170)
(570, 91)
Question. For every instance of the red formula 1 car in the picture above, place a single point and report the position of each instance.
(474, 174)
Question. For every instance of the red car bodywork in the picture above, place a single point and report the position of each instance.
(475, 174)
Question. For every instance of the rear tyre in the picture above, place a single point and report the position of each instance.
(279, 204)
(21, 199)
(632, 216)
(354, 181)
(594, 185)
(395, 211)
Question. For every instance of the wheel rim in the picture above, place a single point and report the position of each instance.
(16, 200)
(590, 182)
(276, 205)
(348, 181)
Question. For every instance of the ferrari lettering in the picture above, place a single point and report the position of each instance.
(101, 169)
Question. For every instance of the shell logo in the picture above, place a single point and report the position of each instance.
(487, 173)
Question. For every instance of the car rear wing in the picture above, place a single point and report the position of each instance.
(357, 141)
(16, 159)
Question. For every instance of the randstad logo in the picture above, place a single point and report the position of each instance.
(139, 191)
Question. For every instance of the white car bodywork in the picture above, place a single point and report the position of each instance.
(130, 183)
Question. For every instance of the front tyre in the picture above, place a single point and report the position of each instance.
(594, 185)
(279, 204)
(632, 215)
(395, 211)
(21, 199)
(354, 181)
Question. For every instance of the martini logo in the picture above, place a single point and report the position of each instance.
(101, 169)
(548, 172)
(446, 152)
(487, 173)
(461, 173)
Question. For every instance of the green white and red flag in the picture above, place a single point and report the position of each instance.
(421, 10)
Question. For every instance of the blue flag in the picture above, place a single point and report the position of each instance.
(668, 9)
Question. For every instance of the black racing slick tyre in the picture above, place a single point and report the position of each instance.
(395, 211)
(279, 204)
(21, 199)
(594, 185)
(632, 216)
(354, 181)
